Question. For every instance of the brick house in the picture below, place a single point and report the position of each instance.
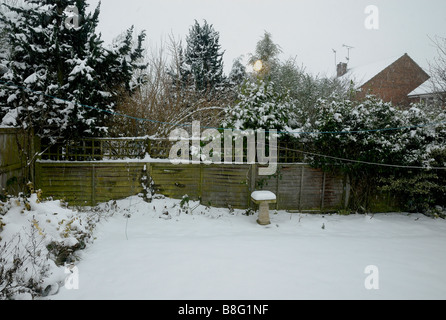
(392, 79)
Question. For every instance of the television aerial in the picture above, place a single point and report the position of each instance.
(348, 51)
(336, 60)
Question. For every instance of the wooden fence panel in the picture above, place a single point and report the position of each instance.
(289, 187)
(311, 190)
(175, 181)
(13, 170)
(71, 182)
(224, 185)
(116, 180)
(334, 194)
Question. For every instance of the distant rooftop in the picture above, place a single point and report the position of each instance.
(425, 88)
(361, 74)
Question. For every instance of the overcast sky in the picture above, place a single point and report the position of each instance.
(307, 30)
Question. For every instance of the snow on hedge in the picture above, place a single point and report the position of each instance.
(37, 240)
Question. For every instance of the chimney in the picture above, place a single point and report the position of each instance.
(341, 69)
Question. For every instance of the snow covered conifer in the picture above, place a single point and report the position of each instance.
(203, 59)
(238, 73)
(267, 53)
(61, 80)
(236, 78)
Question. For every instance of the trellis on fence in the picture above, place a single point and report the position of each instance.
(97, 149)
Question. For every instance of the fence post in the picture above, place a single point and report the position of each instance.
(279, 170)
(37, 176)
(200, 183)
(101, 149)
(93, 185)
(252, 185)
(149, 147)
(323, 191)
(346, 191)
(301, 187)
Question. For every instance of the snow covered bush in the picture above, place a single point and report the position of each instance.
(259, 106)
(1, 225)
(347, 129)
(374, 134)
(23, 265)
(419, 192)
(39, 238)
(148, 186)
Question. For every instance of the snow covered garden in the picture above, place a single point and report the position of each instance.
(166, 250)
(67, 97)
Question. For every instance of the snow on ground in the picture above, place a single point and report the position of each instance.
(158, 251)
(214, 254)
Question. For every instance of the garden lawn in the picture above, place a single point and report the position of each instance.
(160, 252)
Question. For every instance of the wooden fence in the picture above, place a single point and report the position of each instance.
(297, 186)
(90, 171)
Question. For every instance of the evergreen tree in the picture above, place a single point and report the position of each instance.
(238, 73)
(61, 80)
(203, 59)
(267, 53)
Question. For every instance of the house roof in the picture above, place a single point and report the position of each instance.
(363, 73)
(423, 89)
(426, 89)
